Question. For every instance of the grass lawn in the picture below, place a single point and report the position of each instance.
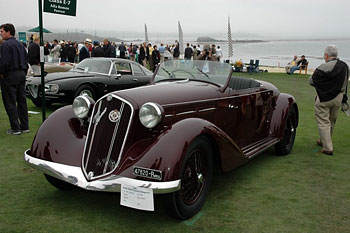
(305, 191)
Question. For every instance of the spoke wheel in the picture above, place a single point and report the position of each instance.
(285, 146)
(196, 176)
(85, 90)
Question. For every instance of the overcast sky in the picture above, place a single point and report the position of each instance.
(267, 18)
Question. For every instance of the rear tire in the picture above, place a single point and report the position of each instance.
(285, 146)
(59, 184)
(196, 175)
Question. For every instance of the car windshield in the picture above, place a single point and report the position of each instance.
(94, 66)
(206, 71)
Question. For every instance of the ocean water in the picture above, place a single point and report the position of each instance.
(280, 52)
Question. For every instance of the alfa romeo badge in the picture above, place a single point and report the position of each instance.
(114, 115)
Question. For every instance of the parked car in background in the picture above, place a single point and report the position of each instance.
(94, 77)
(165, 138)
(54, 67)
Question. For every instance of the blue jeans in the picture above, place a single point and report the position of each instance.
(294, 69)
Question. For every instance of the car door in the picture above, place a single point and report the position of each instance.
(139, 74)
(248, 113)
(122, 76)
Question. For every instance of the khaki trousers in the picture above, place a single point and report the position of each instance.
(326, 115)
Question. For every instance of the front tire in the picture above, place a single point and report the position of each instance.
(285, 146)
(196, 175)
(86, 90)
(59, 184)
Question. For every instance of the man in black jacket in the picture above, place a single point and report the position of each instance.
(34, 55)
(108, 49)
(330, 80)
(84, 51)
(97, 51)
(13, 70)
(188, 52)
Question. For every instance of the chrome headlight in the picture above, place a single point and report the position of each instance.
(150, 115)
(82, 105)
(51, 88)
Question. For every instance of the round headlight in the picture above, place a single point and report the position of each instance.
(150, 115)
(82, 105)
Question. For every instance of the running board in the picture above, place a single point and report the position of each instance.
(258, 147)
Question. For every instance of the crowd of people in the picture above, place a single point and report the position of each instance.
(146, 54)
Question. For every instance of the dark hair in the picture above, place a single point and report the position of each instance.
(8, 27)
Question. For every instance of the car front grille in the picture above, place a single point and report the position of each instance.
(107, 134)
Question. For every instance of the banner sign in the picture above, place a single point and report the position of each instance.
(22, 36)
(62, 7)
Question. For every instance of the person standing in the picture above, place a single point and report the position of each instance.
(97, 51)
(72, 52)
(161, 52)
(142, 54)
(13, 70)
(63, 51)
(329, 80)
(188, 52)
(176, 52)
(85, 50)
(34, 55)
(108, 49)
(122, 50)
(155, 58)
(219, 53)
(195, 53)
(55, 51)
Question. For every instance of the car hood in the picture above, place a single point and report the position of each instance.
(171, 93)
(58, 76)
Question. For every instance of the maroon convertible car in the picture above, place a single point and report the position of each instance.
(164, 138)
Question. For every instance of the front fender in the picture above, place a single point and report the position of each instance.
(60, 138)
(284, 102)
(167, 151)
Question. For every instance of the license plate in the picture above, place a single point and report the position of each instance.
(148, 173)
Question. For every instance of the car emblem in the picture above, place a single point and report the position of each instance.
(114, 115)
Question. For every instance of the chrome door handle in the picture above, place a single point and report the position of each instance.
(231, 106)
(135, 79)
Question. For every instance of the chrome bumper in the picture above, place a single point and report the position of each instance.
(75, 176)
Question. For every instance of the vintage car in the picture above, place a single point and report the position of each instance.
(94, 77)
(50, 67)
(165, 138)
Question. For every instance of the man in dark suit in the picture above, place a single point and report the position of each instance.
(13, 70)
(84, 51)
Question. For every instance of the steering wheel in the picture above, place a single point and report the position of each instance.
(186, 71)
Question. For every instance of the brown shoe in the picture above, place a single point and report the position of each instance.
(327, 152)
(318, 142)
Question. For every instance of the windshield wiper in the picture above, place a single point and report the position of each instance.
(170, 79)
(170, 75)
(203, 72)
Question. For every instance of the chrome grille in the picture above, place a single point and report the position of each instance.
(106, 136)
